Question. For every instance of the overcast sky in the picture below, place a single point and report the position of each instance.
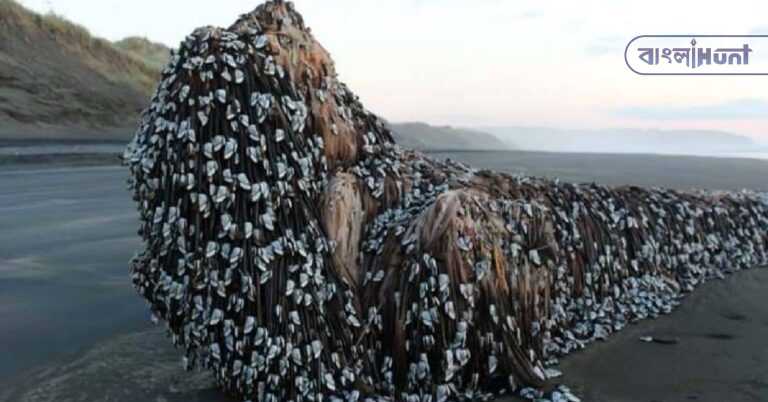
(491, 62)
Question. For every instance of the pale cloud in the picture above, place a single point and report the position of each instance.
(733, 110)
(607, 45)
(532, 14)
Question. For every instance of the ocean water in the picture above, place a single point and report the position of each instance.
(725, 172)
(754, 155)
(58, 149)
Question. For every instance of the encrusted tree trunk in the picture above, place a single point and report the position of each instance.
(297, 252)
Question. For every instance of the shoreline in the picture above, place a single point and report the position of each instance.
(719, 330)
(644, 170)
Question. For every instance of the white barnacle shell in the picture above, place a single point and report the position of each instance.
(290, 286)
(261, 335)
(463, 356)
(329, 382)
(534, 257)
(236, 255)
(249, 323)
(211, 249)
(268, 220)
(260, 42)
(231, 111)
(229, 60)
(294, 317)
(253, 154)
(230, 148)
(203, 117)
(279, 135)
(222, 193)
(243, 181)
(269, 66)
(211, 167)
(184, 93)
(317, 348)
(221, 95)
(450, 310)
(282, 170)
(492, 364)
(216, 316)
(215, 351)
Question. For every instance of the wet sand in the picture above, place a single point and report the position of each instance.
(73, 329)
(65, 242)
(721, 354)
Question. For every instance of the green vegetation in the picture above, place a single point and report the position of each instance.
(154, 54)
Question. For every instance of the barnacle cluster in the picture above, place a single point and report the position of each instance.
(299, 254)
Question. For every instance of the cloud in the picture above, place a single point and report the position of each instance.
(606, 45)
(602, 50)
(529, 14)
(737, 109)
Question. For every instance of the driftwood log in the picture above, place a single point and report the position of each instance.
(299, 254)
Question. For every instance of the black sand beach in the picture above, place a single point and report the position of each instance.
(67, 236)
(74, 330)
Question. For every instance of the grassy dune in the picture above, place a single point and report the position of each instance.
(54, 73)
